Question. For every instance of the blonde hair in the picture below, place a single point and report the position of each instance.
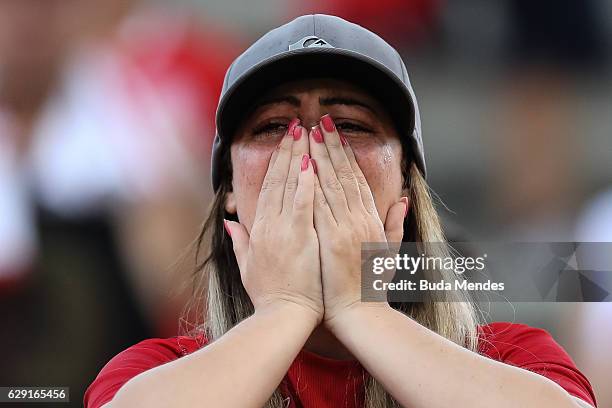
(217, 282)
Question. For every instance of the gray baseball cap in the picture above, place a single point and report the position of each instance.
(317, 46)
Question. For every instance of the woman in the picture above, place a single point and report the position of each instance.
(318, 150)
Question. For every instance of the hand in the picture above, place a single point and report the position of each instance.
(279, 261)
(345, 215)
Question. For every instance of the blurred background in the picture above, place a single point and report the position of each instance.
(106, 124)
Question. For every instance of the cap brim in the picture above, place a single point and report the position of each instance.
(305, 63)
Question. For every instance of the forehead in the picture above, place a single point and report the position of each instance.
(322, 87)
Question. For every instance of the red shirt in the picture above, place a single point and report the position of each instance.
(315, 381)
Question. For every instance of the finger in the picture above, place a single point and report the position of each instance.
(273, 187)
(367, 198)
(299, 149)
(304, 195)
(276, 151)
(323, 216)
(330, 185)
(394, 223)
(340, 162)
(240, 242)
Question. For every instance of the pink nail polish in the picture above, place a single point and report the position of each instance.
(405, 200)
(328, 123)
(294, 122)
(305, 161)
(297, 133)
(317, 135)
(314, 165)
(227, 229)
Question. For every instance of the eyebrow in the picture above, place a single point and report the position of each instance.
(348, 101)
(329, 101)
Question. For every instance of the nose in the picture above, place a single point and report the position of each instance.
(310, 110)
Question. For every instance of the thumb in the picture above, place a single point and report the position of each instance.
(240, 242)
(394, 223)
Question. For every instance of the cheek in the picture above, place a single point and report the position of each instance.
(250, 165)
(249, 169)
(381, 165)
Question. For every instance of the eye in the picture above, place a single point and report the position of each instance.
(269, 130)
(350, 127)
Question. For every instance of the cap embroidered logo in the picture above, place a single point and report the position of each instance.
(310, 42)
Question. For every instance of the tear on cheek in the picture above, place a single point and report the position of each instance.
(387, 155)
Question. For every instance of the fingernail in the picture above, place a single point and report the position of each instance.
(227, 228)
(405, 200)
(305, 161)
(294, 122)
(297, 133)
(343, 140)
(317, 135)
(314, 165)
(328, 123)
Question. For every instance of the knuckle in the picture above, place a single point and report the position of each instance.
(291, 184)
(346, 174)
(371, 210)
(345, 167)
(363, 183)
(334, 143)
(337, 245)
(333, 184)
(320, 200)
(300, 203)
(271, 182)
